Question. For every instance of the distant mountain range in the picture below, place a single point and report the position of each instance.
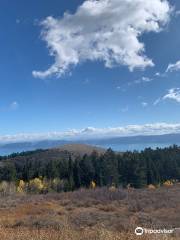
(146, 141)
(166, 138)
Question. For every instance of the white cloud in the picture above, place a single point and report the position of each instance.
(157, 101)
(173, 94)
(157, 74)
(90, 133)
(160, 75)
(146, 79)
(104, 30)
(173, 67)
(143, 79)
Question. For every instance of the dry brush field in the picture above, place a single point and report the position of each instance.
(90, 214)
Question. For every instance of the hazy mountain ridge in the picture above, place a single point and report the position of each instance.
(46, 144)
(166, 138)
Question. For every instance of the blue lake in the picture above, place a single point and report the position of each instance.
(116, 147)
(137, 147)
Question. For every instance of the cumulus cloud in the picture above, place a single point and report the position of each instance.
(104, 30)
(173, 67)
(91, 133)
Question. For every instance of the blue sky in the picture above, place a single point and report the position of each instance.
(100, 89)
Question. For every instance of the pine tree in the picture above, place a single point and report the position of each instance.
(76, 174)
(70, 174)
(110, 168)
(86, 171)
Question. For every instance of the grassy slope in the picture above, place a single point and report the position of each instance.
(89, 214)
(60, 153)
(81, 149)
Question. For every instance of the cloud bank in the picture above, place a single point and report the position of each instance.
(104, 30)
(91, 133)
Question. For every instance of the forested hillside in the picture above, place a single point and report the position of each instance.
(136, 169)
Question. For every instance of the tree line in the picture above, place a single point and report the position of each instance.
(136, 169)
